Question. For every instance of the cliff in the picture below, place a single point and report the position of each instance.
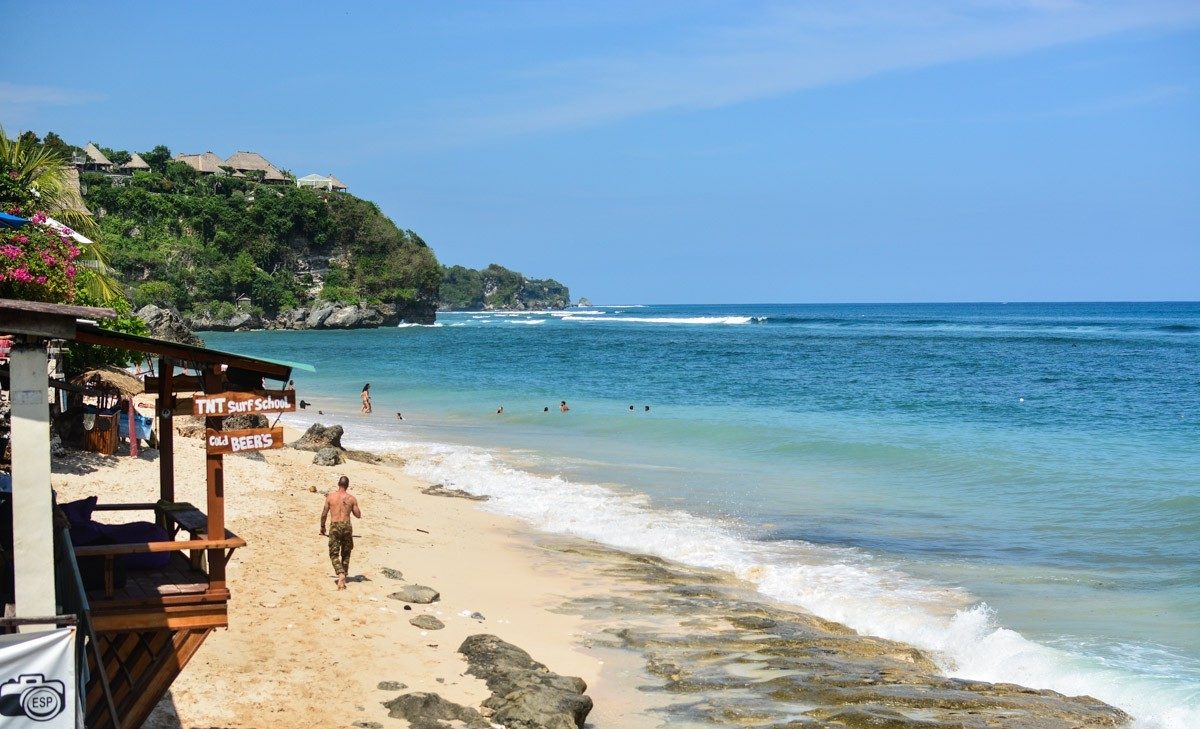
(496, 287)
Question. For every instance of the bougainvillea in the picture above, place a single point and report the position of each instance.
(37, 262)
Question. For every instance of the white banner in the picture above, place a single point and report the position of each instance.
(37, 680)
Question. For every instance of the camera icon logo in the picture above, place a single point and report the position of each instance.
(32, 695)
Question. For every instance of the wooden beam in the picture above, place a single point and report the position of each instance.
(181, 353)
(215, 463)
(37, 324)
(100, 550)
(190, 617)
(164, 406)
(41, 307)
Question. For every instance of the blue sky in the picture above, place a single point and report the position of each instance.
(978, 150)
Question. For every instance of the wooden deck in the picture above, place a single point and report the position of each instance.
(146, 587)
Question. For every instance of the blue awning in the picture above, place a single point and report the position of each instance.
(12, 221)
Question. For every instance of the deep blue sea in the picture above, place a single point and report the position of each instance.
(1012, 487)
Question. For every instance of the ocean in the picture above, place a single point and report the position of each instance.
(1014, 488)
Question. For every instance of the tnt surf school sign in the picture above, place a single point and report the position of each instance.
(241, 441)
(220, 404)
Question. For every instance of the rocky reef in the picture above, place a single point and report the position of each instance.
(716, 654)
(320, 315)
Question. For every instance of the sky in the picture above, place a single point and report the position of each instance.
(685, 152)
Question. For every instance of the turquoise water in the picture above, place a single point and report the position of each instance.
(1015, 488)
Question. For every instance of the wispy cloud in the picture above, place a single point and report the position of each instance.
(787, 48)
(26, 95)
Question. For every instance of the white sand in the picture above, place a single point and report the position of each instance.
(298, 653)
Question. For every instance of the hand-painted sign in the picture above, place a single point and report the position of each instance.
(240, 403)
(241, 441)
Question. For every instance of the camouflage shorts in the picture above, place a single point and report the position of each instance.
(341, 542)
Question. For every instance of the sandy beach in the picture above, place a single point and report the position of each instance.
(658, 644)
(297, 652)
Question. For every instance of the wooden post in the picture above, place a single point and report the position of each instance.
(166, 429)
(216, 490)
(133, 439)
(33, 523)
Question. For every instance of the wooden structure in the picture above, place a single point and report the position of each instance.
(143, 629)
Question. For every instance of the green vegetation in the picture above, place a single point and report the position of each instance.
(193, 242)
(496, 287)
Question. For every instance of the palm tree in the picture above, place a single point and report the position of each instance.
(44, 178)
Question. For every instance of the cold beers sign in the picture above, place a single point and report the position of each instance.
(220, 404)
(241, 441)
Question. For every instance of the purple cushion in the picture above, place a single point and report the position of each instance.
(86, 533)
(134, 532)
(79, 512)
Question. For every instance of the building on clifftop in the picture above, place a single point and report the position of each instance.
(245, 162)
(321, 182)
(206, 164)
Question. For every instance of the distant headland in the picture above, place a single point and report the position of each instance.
(239, 242)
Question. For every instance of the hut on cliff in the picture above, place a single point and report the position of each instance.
(206, 164)
(247, 162)
(135, 164)
(94, 160)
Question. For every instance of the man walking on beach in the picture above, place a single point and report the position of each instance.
(339, 505)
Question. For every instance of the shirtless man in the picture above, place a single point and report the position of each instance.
(340, 505)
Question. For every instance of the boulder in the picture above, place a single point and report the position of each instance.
(318, 436)
(416, 594)
(189, 426)
(244, 320)
(246, 421)
(525, 694)
(391, 686)
(429, 711)
(438, 489)
(168, 324)
(328, 457)
(392, 574)
(346, 317)
(427, 622)
(318, 316)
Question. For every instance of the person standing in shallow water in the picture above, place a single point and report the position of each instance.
(366, 398)
(562, 406)
(339, 506)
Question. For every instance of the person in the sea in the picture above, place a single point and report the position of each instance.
(304, 404)
(546, 409)
(647, 408)
(562, 406)
(291, 385)
(339, 506)
(631, 408)
(500, 410)
(399, 416)
(366, 398)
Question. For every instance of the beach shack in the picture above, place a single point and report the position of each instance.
(136, 606)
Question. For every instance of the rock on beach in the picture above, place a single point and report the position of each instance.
(417, 594)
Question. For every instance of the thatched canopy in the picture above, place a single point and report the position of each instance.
(95, 156)
(245, 161)
(274, 175)
(206, 164)
(336, 183)
(110, 379)
(136, 163)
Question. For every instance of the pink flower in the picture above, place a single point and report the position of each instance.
(22, 275)
(41, 279)
(38, 218)
(48, 259)
(72, 252)
(10, 251)
(22, 239)
(70, 272)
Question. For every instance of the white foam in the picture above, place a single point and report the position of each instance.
(528, 321)
(406, 325)
(839, 584)
(576, 312)
(666, 319)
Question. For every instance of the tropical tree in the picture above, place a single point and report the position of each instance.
(35, 178)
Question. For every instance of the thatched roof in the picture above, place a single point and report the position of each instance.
(95, 156)
(246, 161)
(337, 184)
(136, 163)
(206, 164)
(110, 379)
(274, 175)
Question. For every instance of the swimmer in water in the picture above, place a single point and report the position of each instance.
(399, 416)
(562, 406)
(500, 410)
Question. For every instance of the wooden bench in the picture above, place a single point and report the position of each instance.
(173, 517)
